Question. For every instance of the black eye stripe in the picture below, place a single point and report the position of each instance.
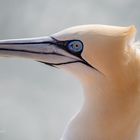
(64, 45)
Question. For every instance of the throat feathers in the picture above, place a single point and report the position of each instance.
(106, 60)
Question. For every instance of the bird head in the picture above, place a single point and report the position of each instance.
(87, 51)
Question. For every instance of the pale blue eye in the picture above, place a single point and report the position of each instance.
(75, 46)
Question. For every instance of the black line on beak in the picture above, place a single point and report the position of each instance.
(28, 51)
(63, 63)
(70, 62)
(29, 43)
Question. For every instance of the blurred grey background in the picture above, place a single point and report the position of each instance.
(36, 101)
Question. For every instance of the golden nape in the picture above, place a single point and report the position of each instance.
(106, 60)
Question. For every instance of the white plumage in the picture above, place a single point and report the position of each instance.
(106, 60)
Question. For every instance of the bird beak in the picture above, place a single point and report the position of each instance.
(43, 49)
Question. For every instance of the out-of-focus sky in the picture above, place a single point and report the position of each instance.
(36, 101)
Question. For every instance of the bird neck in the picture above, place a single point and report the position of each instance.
(107, 113)
(120, 85)
(111, 106)
(114, 94)
(106, 96)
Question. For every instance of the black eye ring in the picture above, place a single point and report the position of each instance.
(75, 46)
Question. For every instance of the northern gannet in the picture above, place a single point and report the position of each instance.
(106, 60)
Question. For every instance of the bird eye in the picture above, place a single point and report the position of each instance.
(75, 46)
